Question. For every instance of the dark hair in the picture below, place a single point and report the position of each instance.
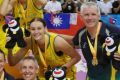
(1, 52)
(38, 19)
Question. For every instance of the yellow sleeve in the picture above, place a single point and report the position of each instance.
(1, 2)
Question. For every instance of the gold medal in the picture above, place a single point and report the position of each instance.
(119, 49)
(108, 53)
(94, 62)
(93, 49)
(14, 32)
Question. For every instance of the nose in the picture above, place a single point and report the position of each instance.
(27, 70)
(36, 31)
(89, 16)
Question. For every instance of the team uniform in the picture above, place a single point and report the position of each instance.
(1, 1)
(54, 58)
(2, 34)
(29, 13)
(102, 71)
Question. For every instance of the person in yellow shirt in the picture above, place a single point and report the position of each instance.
(28, 9)
(19, 8)
(5, 8)
(25, 9)
(49, 49)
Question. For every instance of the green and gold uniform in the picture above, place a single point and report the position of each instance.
(53, 58)
(29, 13)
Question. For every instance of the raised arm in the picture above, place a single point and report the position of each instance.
(62, 45)
(6, 6)
(14, 59)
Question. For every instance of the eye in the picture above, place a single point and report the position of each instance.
(93, 14)
(24, 67)
(86, 14)
(38, 28)
(31, 67)
(32, 28)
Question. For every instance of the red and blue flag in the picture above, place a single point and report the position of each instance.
(58, 21)
(64, 23)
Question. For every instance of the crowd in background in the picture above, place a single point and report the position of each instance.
(72, 6)
(27, 14)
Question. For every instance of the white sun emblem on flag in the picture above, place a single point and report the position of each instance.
(57, 21)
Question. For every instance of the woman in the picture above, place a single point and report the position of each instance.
(55, 51)
(25, 9)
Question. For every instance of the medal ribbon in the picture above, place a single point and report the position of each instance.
(2, 76)
(43, 60)
(94, 49)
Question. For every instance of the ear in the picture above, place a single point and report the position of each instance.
(37, 71)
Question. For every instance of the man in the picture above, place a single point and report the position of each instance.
(29, 68)
(3, 74)
(69, 6)
(53, 7)
(116, 7)
(91, 39)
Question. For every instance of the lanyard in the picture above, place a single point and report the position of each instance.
(43, 60)
(93, 49)
(2, 76)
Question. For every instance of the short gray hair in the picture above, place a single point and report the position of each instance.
(90, 4)
(30, 58)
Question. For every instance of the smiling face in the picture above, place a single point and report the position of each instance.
(90, 14)
(37, 30)
(29, 69)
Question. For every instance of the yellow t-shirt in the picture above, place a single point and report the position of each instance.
(1, 2)
(32, 11)
(2, 36)
(27, 15)
(53, 60)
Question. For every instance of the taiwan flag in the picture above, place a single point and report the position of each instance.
(63, 23)
(58, 21)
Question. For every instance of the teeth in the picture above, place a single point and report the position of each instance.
(27, 75)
